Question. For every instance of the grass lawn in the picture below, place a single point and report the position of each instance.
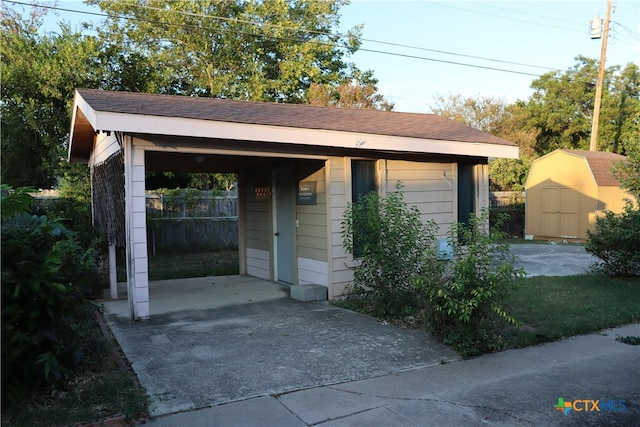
(552, 308)
(184, 265)
(549, 308)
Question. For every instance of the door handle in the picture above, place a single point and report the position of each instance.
(277, 234)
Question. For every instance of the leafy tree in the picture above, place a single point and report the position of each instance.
(509, 174)
(267, 50)
(628, 172)
(482, 113)
(39, 75)
(495, 116)
(351, 93)
(561, 108)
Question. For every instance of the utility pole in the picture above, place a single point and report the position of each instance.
(593, 146)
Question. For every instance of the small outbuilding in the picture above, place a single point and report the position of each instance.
(567, 189)
(298, 168)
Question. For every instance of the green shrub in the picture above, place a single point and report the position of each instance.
(616, 242)
(508, 219)
(44, 312)
(463, 306)
(391, 245)
(400, 276)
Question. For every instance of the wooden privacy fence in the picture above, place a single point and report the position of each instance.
(509, 204)
(191, 221)
(505, 198)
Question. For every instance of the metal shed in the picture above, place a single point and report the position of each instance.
(567, 189)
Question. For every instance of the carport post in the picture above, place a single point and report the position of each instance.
(136, 227)
(113, 277)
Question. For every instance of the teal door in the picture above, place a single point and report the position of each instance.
(284, 226)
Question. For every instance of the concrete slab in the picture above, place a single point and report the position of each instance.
(199, 293)
(308, 292)
(197, 358)
(249, 355)
(517, 387)
(261, 411)
(552, 259)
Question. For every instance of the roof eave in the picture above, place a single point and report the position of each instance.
(82, 132)
(177, 126)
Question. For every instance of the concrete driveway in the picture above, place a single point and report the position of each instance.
(240, 348)
(215, 340)
(552, 259)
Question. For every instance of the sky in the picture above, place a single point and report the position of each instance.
(420, 50)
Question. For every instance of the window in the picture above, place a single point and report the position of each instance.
(363, 182)
(466, 192)
(363, 178)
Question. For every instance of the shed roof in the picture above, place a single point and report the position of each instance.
(91, 104)
(600, 164)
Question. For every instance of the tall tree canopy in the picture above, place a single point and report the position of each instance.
(558, 115)
(39, 74)
(561, 108)
(264, 50)
(268, 50)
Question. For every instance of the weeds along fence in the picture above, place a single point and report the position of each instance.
(512, 205)
(191, 221)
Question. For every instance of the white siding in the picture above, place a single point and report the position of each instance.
(311, 232)
(105, 145)
(312, 272)
(258, 263)
(482, 187)
(257, 225)
(428, 186)
(338, 173)
(135, 213)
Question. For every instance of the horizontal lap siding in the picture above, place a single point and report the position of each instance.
(258, 263)
(311, 236)
(105, 146)
(257, 225)
(428, 186)
(338, 181)
(312, 272)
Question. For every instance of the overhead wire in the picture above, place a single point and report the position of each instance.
(339, 36)
(336, 36)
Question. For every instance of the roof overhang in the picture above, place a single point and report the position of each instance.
(87, 122)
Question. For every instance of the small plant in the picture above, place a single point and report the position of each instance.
(392, 246)
(631, 340)
(465, 304)
(616, 242)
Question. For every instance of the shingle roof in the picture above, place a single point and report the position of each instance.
(600, 164)
(412, 125)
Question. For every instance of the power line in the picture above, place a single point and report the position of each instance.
(505, 17)
(336, 45)
(340, 36)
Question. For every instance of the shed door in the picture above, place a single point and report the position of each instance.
(560, 207)
(284, 226)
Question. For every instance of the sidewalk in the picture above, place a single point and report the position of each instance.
(515, 387)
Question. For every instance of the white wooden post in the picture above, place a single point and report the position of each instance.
(136, 225)
(113, 277)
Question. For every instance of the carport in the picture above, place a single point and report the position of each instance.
(298, 169)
